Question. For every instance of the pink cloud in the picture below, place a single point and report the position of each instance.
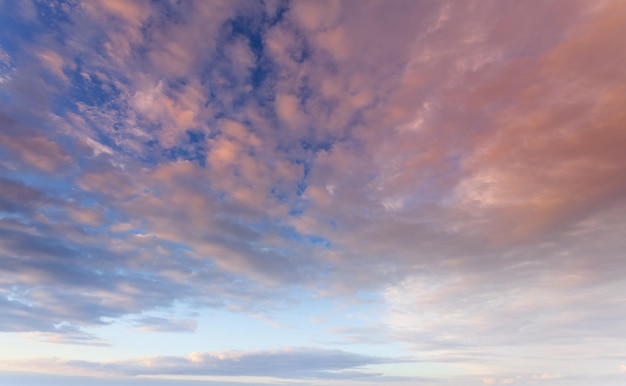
(37, 151)
(54, 63)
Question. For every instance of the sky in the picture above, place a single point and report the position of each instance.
(312, 193)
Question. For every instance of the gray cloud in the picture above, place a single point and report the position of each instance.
(301, 363)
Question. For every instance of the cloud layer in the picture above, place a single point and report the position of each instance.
(294, 363)
(459, 165)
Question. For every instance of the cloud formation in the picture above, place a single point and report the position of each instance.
(297, 363)
(455, 167)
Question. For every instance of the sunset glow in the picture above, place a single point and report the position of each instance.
(332, 193)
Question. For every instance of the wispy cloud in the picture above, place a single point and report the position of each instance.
(298, 363)
(151, 323)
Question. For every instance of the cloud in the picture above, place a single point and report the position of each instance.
(152, 323)
(302, 363)
(54, 63)
(31, 147)
(17, 196)
(134, 14)
(65, 334)
(547, 376)
(38, 379)
(461, 163)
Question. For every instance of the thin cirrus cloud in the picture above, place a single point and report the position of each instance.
(152, 323)
(438, 182)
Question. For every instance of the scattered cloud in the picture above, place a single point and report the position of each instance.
(458, 165)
